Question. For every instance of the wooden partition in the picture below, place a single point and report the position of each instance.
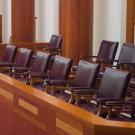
(23, 20)
(76, 27)
(0, 28)
(130, 21)
(27, 111)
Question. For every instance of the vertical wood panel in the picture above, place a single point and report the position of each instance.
(23, 20)
(130, 21)
(76, 27)
(0, 28)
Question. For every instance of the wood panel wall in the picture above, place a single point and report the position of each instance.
(23, 20)
(27, 111)
(0, 28)
(76, 27)
(130, 21)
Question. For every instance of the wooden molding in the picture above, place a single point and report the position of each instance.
(6, 94)
(29, 107)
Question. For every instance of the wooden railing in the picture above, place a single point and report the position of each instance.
(27, 111)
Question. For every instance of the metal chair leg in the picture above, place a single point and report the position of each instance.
(72, 98)
(77, 99)
(109, 114)
(99, 109)
(52, 90)
(45, 88)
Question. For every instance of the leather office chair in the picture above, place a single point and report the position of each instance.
(106, 53)
(105, 57)
(22, 61)
(127, 57)
(126, 60)
(39, 67)
(54, 47)
(8, 57)
(85, 77)
(59, 72)
(112, 91)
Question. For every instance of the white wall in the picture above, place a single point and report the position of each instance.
(47, 13)
(5, 9)
(1, 7)
(109, 22)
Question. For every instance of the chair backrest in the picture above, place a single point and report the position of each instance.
(56, 42)
(114, 84)
(107, 50)
(61, 68)
(9, 53)
(23, 57)
(127, 54)
(86, 74)
(41, 62)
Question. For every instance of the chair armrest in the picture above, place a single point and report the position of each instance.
(23, 69)
(107, 100)
(90, 56)
(84, 91)
(63, 82)
(127, 64)
(74, 68)
(118, 103)
(40, 75)
(107, 60)
(5, 64)
(79, 88)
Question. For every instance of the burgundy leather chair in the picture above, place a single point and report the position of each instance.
(85, 77)
(54, 47)
(126, 60)
(112, 91)
(127, 57)
(106, 54)
(39, 67)
(22, 61)
(59, 72)
(105, 57)
(8, 57)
